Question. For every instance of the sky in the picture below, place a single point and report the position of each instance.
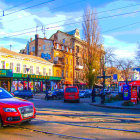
(119, 22)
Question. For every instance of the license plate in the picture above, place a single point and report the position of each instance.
(28, 115)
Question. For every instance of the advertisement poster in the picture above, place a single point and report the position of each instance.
(20, 85)
(44, 87)
(31, 85)
(25, 85)
(134, 94)
(14, 86)
(121, 86)
(126, 92)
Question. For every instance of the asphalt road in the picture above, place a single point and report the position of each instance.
(58, 120)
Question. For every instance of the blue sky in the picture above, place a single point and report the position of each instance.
(122, 33)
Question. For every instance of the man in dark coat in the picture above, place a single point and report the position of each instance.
(93, 94)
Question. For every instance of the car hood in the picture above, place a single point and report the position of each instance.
(15, 102)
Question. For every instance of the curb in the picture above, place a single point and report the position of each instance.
(116, 107)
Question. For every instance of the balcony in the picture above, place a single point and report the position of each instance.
(78, 67)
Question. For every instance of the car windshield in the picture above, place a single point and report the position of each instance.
(71, 89)
(5, 94)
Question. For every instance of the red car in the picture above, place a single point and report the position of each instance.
(14, 110)
(71, 93)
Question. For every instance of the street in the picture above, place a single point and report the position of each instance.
(58, 120)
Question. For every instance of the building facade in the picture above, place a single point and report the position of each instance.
(72, 39)
(20, 71)
(59, 54)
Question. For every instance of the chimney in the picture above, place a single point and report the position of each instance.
(36, 44)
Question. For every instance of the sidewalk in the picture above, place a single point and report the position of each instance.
(115, 104)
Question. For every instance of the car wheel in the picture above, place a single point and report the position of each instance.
(1, 124)
(64, 101)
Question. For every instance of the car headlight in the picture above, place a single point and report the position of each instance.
(9, 109)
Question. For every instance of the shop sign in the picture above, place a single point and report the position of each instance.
(6, 73)
(134, 94)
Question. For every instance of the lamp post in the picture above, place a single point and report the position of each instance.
(27, 69)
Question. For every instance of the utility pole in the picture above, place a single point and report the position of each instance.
(10, 47)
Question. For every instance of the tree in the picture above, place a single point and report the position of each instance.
(93, 46)
(125, 67)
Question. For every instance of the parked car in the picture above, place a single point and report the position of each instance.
(14, 110)
(84, 93)
(71, 93)
(25, 94)
(56, 94)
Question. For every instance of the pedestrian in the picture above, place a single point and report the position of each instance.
(93, 94)
(46, 96)
(103, 96)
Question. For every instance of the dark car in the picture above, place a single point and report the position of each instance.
(84, 94)
(56, 94)
(26, 94)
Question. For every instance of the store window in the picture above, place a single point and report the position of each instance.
(24, 69)
(37, 70)
(18, 67)
(11, 66)
(31, 69)
(44, 71)
(3, 64)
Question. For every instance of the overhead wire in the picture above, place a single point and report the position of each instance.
(28, 7)
(83, 21)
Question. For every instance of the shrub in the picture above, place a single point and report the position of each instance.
(127, 103)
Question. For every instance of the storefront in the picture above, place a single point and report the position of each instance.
(36, 83)
(17, 81)
(6, 79)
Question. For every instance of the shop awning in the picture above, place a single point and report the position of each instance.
(135, 83)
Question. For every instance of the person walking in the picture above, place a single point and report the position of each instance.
(46, 96)
(93, 94)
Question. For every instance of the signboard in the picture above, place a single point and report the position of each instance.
(6, 73)
(126, 92)
(134, 94)
(120, 85)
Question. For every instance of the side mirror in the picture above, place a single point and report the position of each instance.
(13, 94)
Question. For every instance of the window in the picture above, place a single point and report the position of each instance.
(70, 50)
(33, 49)
(31, 69)
(18, 68)
(11, 66)
(44, 71)
(37, 70)
(57, 73)
(64, 41)
(44, 47)
(57, 46)
(3, 64)
(24, 69)
(50, 72)
(63, 48)
(66, 74)
(77, 49)
(66, 60)
(67, 49)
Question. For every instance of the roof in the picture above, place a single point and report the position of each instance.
(71, 32)
(9, 52)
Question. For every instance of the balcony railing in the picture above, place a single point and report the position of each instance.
(78, 67)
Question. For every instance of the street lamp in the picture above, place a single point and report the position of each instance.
(27, 69)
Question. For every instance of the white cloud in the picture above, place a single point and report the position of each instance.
(122, 49)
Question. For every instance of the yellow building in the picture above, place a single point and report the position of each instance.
(19, 71)
(63, 63)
